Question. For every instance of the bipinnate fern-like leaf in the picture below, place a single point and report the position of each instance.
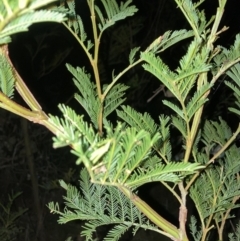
(169, 172)
(100, 205)
(192, 64)
(236, 235)
(130, 161)
(9, 228)
(7, 79)
(113, 12)
(125, 156)
(75, 23)
(17, 16)
(114, 99)
(221, 188)
(72, 130)
(227, 57)
(234, 74)
(180, 124)
(129, 149)
(181, 82)
(159, 69)
(175, 109)
(197, 101)
(164, 147)
(132, 55)
(194, 229)
(145, 122)
(196, 19)
(137, 120)
(87, 96)
(168, 39)
(215, 135)
(197, 234)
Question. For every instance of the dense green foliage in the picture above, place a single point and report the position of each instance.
(119, 157)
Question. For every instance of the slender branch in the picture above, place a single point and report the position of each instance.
(153, 215)
(21, 86)
(196, 120)
(15, 108)
(96, 49)
(119, 76)
(182, 211)
(79, 41)
(224, 219)
(216, 23)
(173, 192)
(226, 145)
(185, 12)
(223, 69)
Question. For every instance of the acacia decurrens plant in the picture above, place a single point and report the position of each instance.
(120, 157)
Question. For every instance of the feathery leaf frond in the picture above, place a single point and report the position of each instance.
(234, 74)
(7, 79)
(88, 98)
(196, 19)
(216, 134)
(116, 159)
(197, 101)
(193, 228)
(137, 120)
(21, 23)
(114, 98)
(145, 122)
(180, 83)
(227, 56)
(73, 131)
(164, 147)
(168, 39)
(160, 172)
(114, 13)
(100, 205)
(156, 67)
(180, 124)
(221, 187)
(175, 108)
(132, 55)
(75, 22)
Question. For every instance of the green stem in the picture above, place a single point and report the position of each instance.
(96, 50)
(15, 108)
(79, 41)
(186, 14)
(172, 191)
(119, 76)
(94, 63)
(153, 215)
(21, 87)
(226, 145)
(223, 69)
(216, 23)
(196, 121)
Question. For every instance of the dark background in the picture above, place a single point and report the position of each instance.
(40, 56)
